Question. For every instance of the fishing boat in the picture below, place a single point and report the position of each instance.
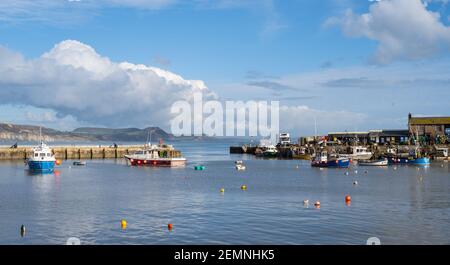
(323, 159)
(378, 162)
(301, 154)
(270, 151)
(421, 161)
(359, 153)
(160, 155)
(42, 159)
(155, 155)
(79, 163)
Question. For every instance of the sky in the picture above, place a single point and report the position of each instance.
(348, 64)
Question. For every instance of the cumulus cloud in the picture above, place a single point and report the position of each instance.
(73, 79)
(403, 29)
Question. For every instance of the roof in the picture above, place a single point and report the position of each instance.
(390, 133)
(429, 120)
(347, 133)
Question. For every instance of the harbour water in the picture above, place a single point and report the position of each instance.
(399, 205)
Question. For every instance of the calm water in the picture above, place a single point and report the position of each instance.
(409, 205)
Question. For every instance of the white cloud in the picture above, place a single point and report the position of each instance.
(404, 29)
(73, 79)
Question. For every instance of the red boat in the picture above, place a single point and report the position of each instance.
(155, 155)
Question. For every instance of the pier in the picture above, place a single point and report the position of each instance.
(78, 152)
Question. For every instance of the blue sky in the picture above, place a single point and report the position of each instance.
(352, 64)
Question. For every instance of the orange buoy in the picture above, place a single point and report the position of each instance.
(169, 226)
(348, 199)
(58, 162)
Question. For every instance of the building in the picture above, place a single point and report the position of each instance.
(430, 129)
(389, 136)
(349, 137)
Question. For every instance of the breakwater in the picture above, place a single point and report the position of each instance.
(77, 152)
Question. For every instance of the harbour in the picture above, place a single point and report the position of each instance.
(210, 207)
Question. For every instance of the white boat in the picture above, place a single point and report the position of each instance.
(360, 153)
(239, 165)
(150, 156)
(380, 162)
(270, 151)
(285, 139)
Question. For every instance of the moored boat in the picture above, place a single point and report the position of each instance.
(421, 161)
(270, 151)
(359, 153)
(42, 159)
(155, 155)
(378, 162)
(323, 159)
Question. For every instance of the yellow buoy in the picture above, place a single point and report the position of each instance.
(222, 190)
(123, 224)
(243, 187)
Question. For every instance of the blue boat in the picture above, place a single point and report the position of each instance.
(399, 160)
(42, 159)
(421, 161)
(330, 161)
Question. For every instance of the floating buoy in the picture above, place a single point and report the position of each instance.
(305, 202)
(243, 187)
(366, 171)
(58, 162)
(222, 190)
(169, 227)
(199, 167)
(317, 204)
(123, 224)
(22, 230)
(395, 168)
(348, 199)
(296, 166)
(356, 171)
(346, 173)
(355, 182)
(442, 165)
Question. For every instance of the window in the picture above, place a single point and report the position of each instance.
(48, 154)
(36, 154)
(42, 154)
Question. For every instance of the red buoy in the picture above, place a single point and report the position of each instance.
(348, 199)
(170, 226)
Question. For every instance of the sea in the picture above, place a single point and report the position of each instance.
(396, 204)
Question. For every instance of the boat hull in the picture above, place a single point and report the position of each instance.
(41, 166)
(341, 163)
(423, 161)
(374, 163)
(169, 162)
(410, 161)
(302, 157)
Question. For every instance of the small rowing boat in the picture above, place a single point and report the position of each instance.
(379, 162)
